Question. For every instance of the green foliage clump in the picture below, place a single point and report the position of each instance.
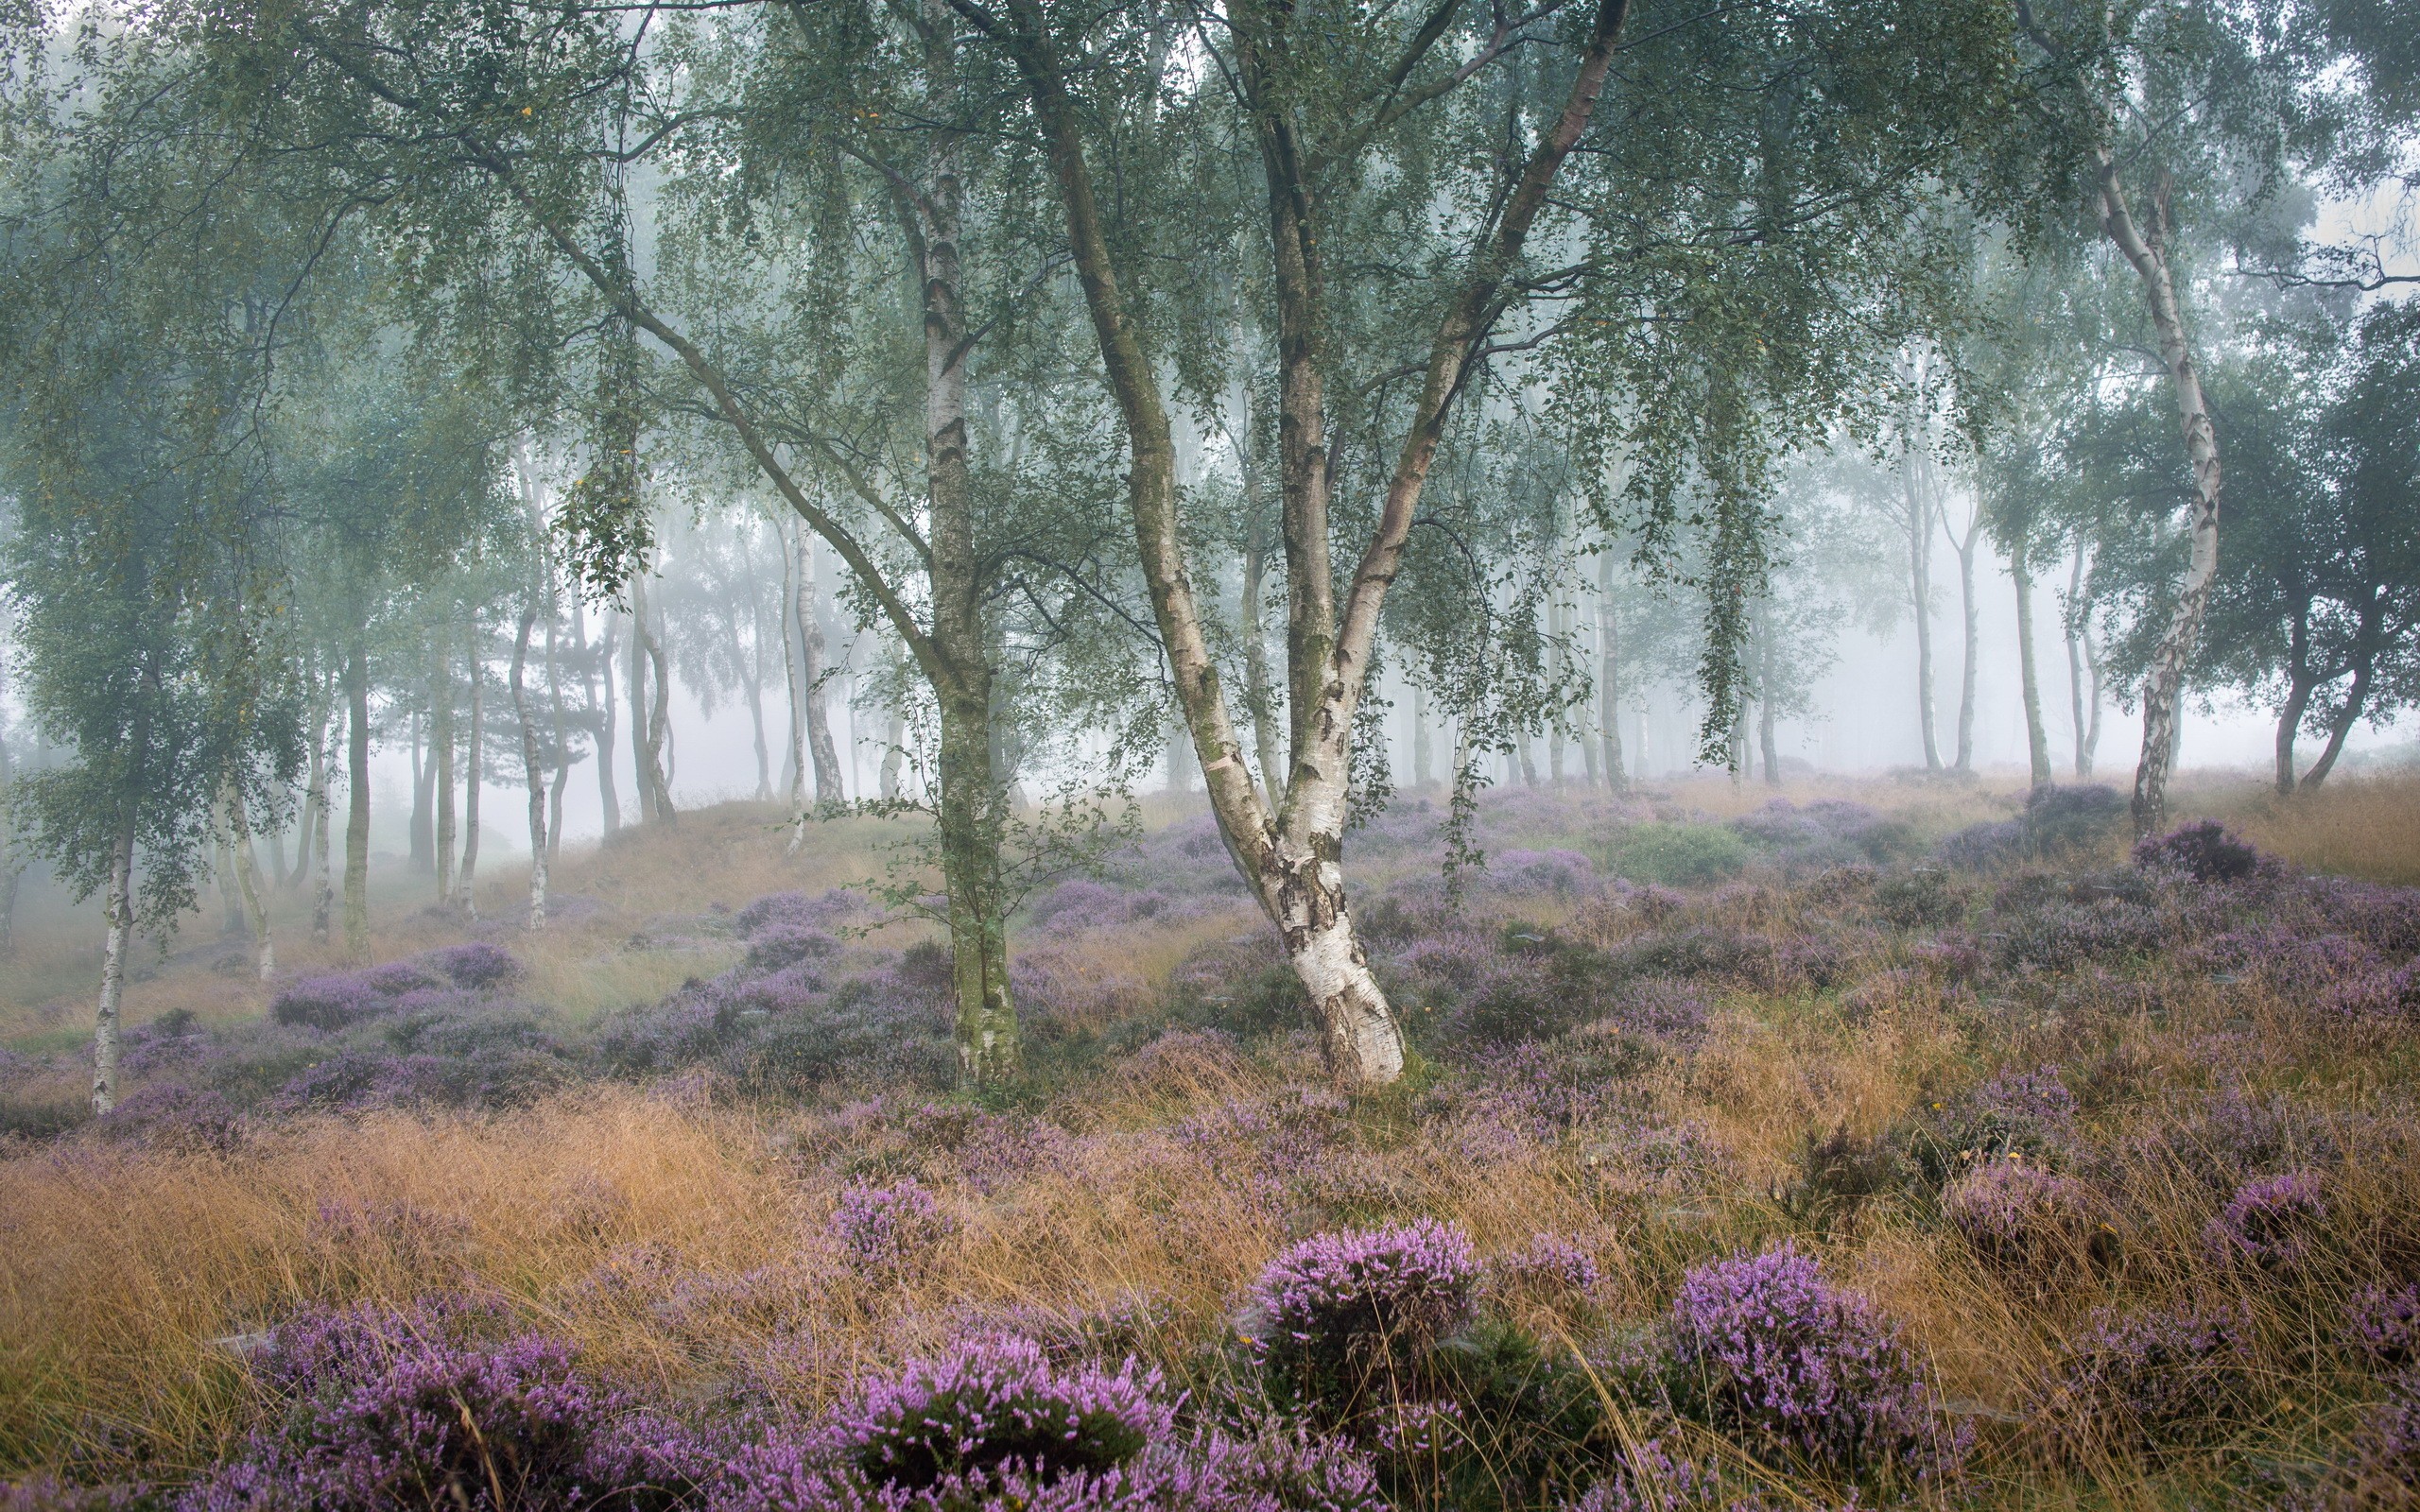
(1679, 855)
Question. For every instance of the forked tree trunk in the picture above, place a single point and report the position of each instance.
(2037, 739)
(119, 904)
(2367, 636)
(1292, 857)
(534, 770)
(356, 796)
(2164, 683)
(2299, 687)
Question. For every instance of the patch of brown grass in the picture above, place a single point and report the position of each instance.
(2366, 827)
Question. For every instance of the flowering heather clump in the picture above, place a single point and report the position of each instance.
(1765, 1348)
(2154, 1376)
(2287, 959)
(1524, 873)
(2024, 1116)
(2203, 851)
(1550, 1265)
(889, 1229)
(1653, 1480)
(2385, 1326)
(784, 943)
(2386, 1453)
(2272, 1221)
(2026, 1221)
(342, 999)
(175, 1116)
(1338, 1304)
(2385, 916)
(796, 909)
(2379, 993)
(390, 1409)
(474, 965)
(991, 1428)
(2231, 1136)
(996, 1403)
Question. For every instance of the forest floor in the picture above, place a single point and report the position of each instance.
(1874, 1144)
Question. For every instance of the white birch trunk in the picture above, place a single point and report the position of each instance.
(105, 1024)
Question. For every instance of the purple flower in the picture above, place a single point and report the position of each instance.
(2270, 1222)
(1335, 1305)
(2150, 1376)
(784, 943)
(2026, 1221)
(995, 1403)
(2385, 1464)
(889, 1229)
(386, 1408)
(1765, 1348)
(2205, 851)
(476, 965)
(1549, 1265)
(2385, 1326)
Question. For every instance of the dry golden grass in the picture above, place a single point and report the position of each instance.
(679, 1244)
(2365, 827)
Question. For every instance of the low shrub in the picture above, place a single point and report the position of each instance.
(2205, 851)
(1679, 855)
(1336, 1312)
(385, 1408)
(888, 1230)
(2383, 1325)
(2151, 1379)
(2028, 1223)
(1763, 1348)
(2271, 1223)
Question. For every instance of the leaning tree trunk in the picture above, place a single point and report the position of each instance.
(2356, 698)
(534, 770)
(2166, 682)
(829, 787)
(2037, 739)
(120, 905)
(2300, 684)
(356, 827)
